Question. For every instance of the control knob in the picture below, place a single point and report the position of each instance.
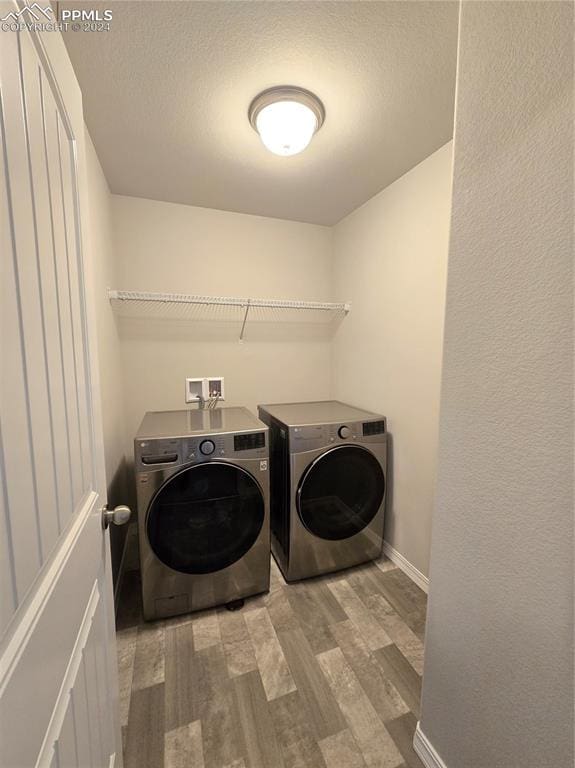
(207, 447)
(344, 432)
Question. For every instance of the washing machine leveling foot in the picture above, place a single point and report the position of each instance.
(235, 605)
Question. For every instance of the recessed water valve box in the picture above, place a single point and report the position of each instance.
(216, 387)
(195, 390)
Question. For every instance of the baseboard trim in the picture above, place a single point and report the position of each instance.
(408, 568)
(426, 751)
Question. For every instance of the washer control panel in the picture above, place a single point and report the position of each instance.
(160, 453)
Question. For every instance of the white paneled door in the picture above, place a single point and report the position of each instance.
(58, 675)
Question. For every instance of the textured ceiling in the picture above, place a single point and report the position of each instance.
(166, 93)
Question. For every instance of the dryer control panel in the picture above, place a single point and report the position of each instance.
(310, 438)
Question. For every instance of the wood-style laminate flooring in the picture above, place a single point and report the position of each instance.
(324, 673)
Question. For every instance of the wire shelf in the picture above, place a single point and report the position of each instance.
(182, 305)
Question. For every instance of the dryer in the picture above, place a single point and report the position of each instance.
(203, 509)
(328, 485)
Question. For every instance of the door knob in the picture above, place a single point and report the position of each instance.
(119, 515)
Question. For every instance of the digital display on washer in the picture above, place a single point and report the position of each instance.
(374, 428)
(250, 441)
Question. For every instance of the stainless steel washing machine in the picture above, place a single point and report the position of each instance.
(328, 482)
(203, 508)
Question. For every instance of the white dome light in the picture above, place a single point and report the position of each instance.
(286, 118)
(286, 127)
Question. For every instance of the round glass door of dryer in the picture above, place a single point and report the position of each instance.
(340, 492)
(205, 518)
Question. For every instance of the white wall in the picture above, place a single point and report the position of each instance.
(178, 248)
(390, 261)
(498, 676)
(105, 267)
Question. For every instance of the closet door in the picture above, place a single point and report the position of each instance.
(58, 673)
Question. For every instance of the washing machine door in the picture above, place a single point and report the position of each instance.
(340, 492)
(205, 518)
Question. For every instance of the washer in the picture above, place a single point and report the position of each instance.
(203, 509)
(328, 485)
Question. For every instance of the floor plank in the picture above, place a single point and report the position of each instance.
(208, 680)
(364, 581)
(149, 668)
(183, 747)
(145, 730)
(341, 751)
(206, 630)
(211, 700)
(373, 633)
(376, 745)
(321, 707)
(259, 738)
(221, 729)
(273, 667)
(405, 597)
(126, 646)
(384, 696)
(402, 731)
(399, 632)
(238, 646)
(397, 669)
(294, 732)
(280, 610)
(316, 609)
(179, 651)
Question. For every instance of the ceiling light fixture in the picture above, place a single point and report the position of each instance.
(286, 118)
